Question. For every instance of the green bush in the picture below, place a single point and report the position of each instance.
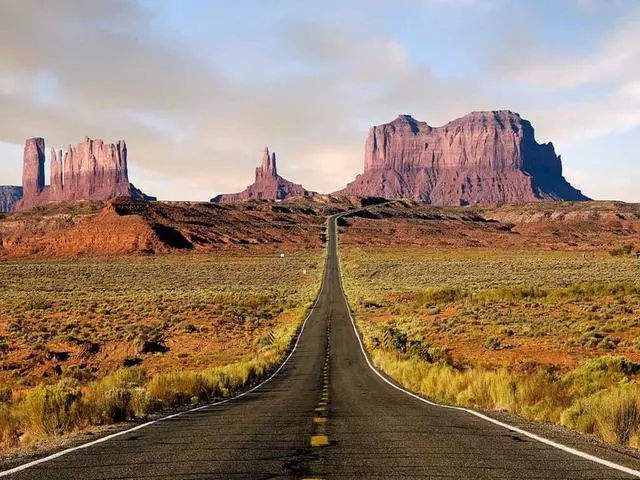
(492, 343)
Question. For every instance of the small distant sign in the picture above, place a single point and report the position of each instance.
(282, 255)
(304, 272)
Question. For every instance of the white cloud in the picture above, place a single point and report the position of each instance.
(616, 57)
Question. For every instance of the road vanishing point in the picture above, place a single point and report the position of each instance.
(325, 414)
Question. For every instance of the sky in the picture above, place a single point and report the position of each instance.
(197, 88)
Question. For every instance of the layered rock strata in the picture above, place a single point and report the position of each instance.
(482, 158)
(92, 170)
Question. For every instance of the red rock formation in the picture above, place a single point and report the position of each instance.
(92, 170)
(9, 196)
(484, 157)
(56, 172)
(33, 166)
(268, 185)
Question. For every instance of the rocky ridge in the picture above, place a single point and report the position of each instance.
(481, 158)
(123, 226)
(268, 185)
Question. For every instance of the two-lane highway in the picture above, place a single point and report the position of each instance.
(325, 415)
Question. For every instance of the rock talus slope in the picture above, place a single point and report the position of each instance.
(92, 170)
(482, 158)
(268, 185)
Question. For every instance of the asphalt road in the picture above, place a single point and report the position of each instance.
(325, 415)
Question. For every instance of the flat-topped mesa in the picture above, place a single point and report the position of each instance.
(483, 157)
(93, 170)
(268, 185)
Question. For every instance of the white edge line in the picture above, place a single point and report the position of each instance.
(48, 458)
(559, 446)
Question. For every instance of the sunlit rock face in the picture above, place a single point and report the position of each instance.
(481, 158)
(92, 170)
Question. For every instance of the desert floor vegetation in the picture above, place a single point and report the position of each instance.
(552, 336)
(92, 342)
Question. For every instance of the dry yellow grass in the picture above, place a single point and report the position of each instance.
(92, 342)
(550, 336)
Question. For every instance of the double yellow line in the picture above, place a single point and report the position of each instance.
(320, 437)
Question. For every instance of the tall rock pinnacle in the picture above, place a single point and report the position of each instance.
(33, 166)
(268, 184)
(268, 167)
(56, 171)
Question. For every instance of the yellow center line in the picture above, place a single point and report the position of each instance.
(319, 420)
(319, 441)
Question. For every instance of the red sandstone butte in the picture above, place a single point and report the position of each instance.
(93, 170)
(481, 158)
(268, 185)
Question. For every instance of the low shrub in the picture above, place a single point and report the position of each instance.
(612, 414)
(440, 295)
(9, 434)
(49, 410)
(626, 249)
(492, 343)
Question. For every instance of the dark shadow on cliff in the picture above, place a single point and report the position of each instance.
(558, 187)
(171, 237)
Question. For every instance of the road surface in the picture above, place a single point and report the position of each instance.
(325, 415)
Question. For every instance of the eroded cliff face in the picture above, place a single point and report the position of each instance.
(268, 185)
(9, 196)
(92, 170)
(482, 158)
